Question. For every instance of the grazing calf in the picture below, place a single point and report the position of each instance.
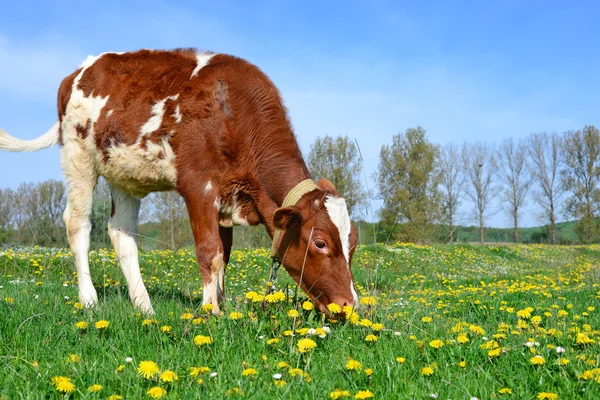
(214, 128)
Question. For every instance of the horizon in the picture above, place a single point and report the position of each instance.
(464, 71)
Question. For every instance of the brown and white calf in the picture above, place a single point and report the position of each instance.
(214, 128)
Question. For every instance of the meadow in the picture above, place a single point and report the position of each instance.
(441, 321)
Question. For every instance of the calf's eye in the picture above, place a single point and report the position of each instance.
(320, 245)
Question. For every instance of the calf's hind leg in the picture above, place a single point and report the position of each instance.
(80, 179)
(122, 228)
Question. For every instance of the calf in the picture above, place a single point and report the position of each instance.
(214, 128)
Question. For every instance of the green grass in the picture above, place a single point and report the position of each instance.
(465, 289)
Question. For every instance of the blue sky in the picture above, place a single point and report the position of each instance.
(465, 71)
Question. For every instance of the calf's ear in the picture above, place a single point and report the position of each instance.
(287, 217)
(326, 185)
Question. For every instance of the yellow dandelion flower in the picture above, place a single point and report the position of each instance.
(427, 371)
(198, 321)
(207, 308)
(525, 313)
(249, 372)
(251, 295)
(156, 392)
(63, 384)
(147, 322)
(148, 369)
(195, 371)
(363, 394)
(74, 358)
(495, 352)
(436, 344)
(81, 325)
(186, 316)
(353, 365)
(400, 360)
(369, 371)
(282, 364)
(201, 340)
(462, 339)
(95, 388)
(547, 395)
(338, 394)
(306, 344)
(462, 364)
(165, 329)
(563, 361)
(505, 391)
(365, 322)
(368, 301)
(537, 360)
(295, 372)
(377, 327)
(273, 341)
(427, 319)
(562, 313)
(168, 376)
(293, 314)
(102, 324)
(235, 315)
(334, 308)
(280, 383)
(307, 305)
(371, 338)
(115, 397)
(120, 368)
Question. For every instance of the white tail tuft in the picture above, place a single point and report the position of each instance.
(10, 143)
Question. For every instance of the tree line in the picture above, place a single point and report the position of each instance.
(424, 189)
(423, 185)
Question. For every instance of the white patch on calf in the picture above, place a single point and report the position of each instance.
(140, 171)
(338, 212)
(155, 121)
(354, 294)
(203, 58)
(208, 187)
(177, 114)
(109, 113)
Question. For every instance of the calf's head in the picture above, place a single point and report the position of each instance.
(317, 244)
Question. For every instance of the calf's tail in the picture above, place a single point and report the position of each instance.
(10, 143)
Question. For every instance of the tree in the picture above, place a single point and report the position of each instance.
(408, 182)
(581, 176)
(545, 159)
(38, 216)
(6, 211)
(101, 210)
(516, 179)
(169, 211)
(480, 169)
(338, 160)
(451, 185)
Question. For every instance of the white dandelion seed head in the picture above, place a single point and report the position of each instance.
(213, 374)
(128, 359)
(397, 334)
(433, 395)
(311, 332)
(277, 376)
(560, 350)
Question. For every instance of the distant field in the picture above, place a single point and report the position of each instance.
(456, 322)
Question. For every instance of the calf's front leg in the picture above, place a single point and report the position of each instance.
(209, 247)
